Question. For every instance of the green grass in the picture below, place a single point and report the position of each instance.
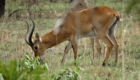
(13, 46)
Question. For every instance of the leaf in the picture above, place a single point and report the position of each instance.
(3, 71)
(46, 66)
(1, 77)
(27, 57)
(12, 70)
(79, 68)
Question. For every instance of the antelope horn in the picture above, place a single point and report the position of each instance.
(28, 37)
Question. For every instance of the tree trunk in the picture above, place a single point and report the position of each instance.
(2, 7)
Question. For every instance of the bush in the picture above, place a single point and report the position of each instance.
(26, 69)
(31, 69)
(67, 74)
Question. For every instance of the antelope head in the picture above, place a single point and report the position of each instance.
(79, 5)
(35, 42)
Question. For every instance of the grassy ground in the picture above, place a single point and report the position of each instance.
(13, 46)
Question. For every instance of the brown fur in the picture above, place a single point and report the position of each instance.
(80, 23)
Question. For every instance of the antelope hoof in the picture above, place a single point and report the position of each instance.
(104, 64)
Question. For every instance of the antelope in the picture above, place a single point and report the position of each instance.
(78, 5)
(96, 21)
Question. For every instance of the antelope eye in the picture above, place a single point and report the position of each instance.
(36, 48)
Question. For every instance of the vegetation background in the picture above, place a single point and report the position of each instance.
(14, 52)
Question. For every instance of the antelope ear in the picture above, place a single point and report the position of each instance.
(33, 38)
(38, 38)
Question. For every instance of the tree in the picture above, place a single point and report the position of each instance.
(2, 7)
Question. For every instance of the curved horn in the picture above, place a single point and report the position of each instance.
(28, 37)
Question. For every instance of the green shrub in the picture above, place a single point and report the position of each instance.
(67, 74)
(26, 69)
(31, 69)
(32, 63)
(11, 71)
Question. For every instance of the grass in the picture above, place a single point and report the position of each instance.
(13, 46)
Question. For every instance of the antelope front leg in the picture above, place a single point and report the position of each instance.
(74, 46)
(67, 48)
(98, 46)
(92, 43)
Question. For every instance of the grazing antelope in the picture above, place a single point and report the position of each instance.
(78, 5)
(96, 21)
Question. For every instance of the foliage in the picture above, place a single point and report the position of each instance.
(133, 5)
(31, 69)
(78, 60)
(31, 63)
(26, 69)
(11, 71)
(67, 74)
(34, 68)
